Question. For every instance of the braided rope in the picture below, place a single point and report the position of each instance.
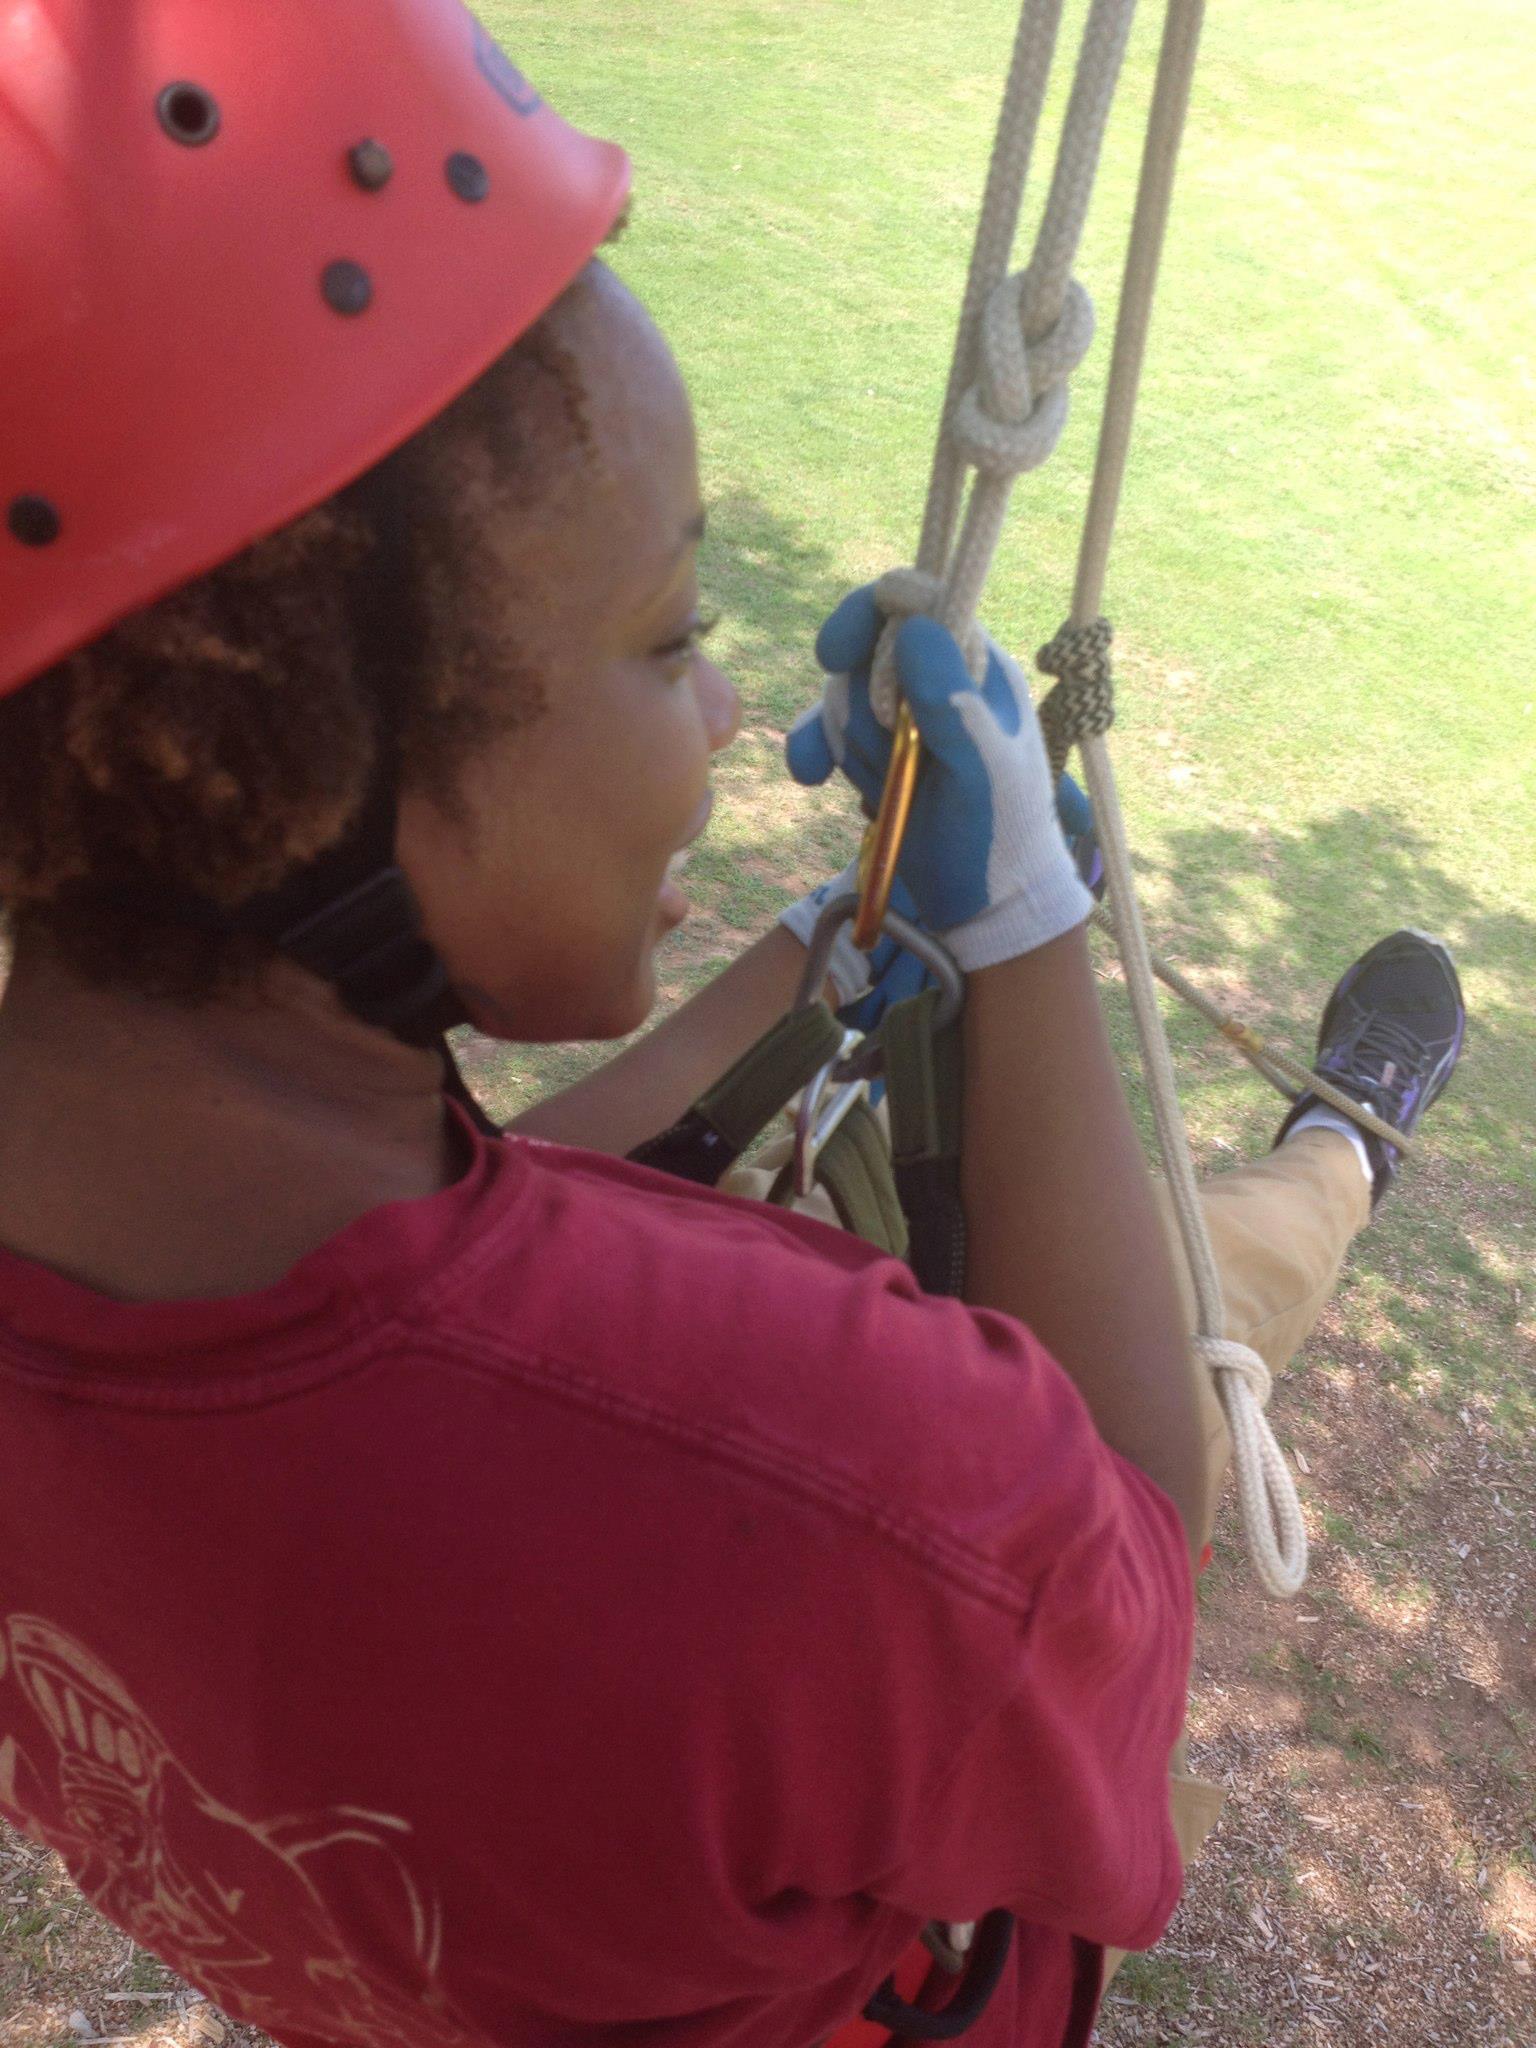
(1081, 704)
(1277, 1536)
(904, 593)
(1019, 339)
(1289, 1076)
(1020, 336)
(1266, 1491)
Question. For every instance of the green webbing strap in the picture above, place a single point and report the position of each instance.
(905, 1199)
(923, 1080)
(854, 1166)
(709, 1138)
(855, 1169)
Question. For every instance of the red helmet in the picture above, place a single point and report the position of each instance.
(251, 245)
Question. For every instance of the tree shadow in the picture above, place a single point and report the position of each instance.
(1265, 920)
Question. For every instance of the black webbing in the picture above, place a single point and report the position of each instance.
(983, 1968)
(349, 915)
(924, 1082)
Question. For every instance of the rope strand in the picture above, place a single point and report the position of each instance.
(1019, 339)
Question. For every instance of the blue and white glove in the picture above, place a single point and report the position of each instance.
(984, 856)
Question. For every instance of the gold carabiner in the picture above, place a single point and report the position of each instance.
(882, 841)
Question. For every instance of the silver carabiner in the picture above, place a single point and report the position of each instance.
(832, 1092)
(934, 954)
(819, 1112)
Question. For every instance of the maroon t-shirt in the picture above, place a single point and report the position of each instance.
(580, 1608)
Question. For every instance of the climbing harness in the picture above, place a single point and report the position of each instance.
(892, 1176)
(897, 1185)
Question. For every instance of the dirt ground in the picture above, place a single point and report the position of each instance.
(1373, 1876)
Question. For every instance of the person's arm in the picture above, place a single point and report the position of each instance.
(648, 1086)
(1062, 1229)
(1063, 1232)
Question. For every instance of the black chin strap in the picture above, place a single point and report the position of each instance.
(351, 919)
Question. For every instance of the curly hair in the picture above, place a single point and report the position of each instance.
(216, 741)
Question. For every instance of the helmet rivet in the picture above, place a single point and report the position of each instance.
(33, 521)
(467, 176)
(371, 164)
(188, 114)
(347, 287)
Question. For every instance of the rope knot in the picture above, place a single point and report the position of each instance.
(904, 594)
(1081, 703)
(1220, 1354)
(1011, 418)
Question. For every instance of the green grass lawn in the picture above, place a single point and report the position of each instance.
(1323, 581)
(1328, 551)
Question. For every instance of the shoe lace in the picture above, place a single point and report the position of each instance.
(1382, 1043)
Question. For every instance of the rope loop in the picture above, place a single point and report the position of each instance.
(1220, 1354)
(1011, 418)
(1004, 409)
(1277, 1534)
(1081, 703)
(904, 594)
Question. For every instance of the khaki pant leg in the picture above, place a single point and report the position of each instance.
(1279, 1229)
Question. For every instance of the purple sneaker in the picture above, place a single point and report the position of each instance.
(1390, 1037)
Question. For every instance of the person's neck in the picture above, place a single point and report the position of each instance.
(157, 1151)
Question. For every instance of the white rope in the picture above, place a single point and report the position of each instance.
(1272, 1519)
(1020, 337)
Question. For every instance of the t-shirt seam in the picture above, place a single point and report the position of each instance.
(756, 1455)
(77, 1379)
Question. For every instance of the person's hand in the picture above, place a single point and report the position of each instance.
(984, 856)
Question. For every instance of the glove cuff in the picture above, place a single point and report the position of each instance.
(1052, 905)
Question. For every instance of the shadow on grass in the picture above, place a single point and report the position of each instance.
(1265, 921)
(773, 586)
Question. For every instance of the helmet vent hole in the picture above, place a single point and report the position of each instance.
(33, 521)
(346, 288)
(467, 176)
(371, 165)
(188, 114)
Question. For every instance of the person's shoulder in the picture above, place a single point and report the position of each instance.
(791, 1354)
